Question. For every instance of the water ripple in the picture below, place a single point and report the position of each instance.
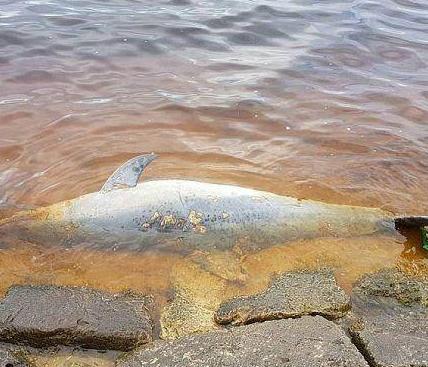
(304, 97)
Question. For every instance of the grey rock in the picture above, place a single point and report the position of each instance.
(392, 283)
(304, 342)
(391, 327)
(43, 316)
(11, 357)
(292, 294)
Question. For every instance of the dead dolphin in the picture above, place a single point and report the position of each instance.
(190, 213)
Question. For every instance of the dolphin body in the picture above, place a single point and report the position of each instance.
(192, 214)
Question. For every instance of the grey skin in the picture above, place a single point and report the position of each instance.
(190, 214)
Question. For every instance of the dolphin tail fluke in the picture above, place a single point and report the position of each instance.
(411, 221)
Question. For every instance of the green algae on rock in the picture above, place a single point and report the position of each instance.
(425, 237)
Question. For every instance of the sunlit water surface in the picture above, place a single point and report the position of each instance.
(324, 100)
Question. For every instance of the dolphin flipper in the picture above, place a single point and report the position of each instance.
(128, 174)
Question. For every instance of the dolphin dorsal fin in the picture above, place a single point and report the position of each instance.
(128, 174)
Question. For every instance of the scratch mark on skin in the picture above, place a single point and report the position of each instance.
(181, 199)
(258, 199)
(214, 198)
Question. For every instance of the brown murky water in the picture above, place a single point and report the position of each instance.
(322, 100)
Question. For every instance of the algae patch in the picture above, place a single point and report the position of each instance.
(425, 237)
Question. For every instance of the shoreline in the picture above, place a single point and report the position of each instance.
(302, 317)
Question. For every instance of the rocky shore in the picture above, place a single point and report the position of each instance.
(302, 319)
(42, 316)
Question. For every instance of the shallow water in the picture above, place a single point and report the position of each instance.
(325, 100)
(322, 100)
